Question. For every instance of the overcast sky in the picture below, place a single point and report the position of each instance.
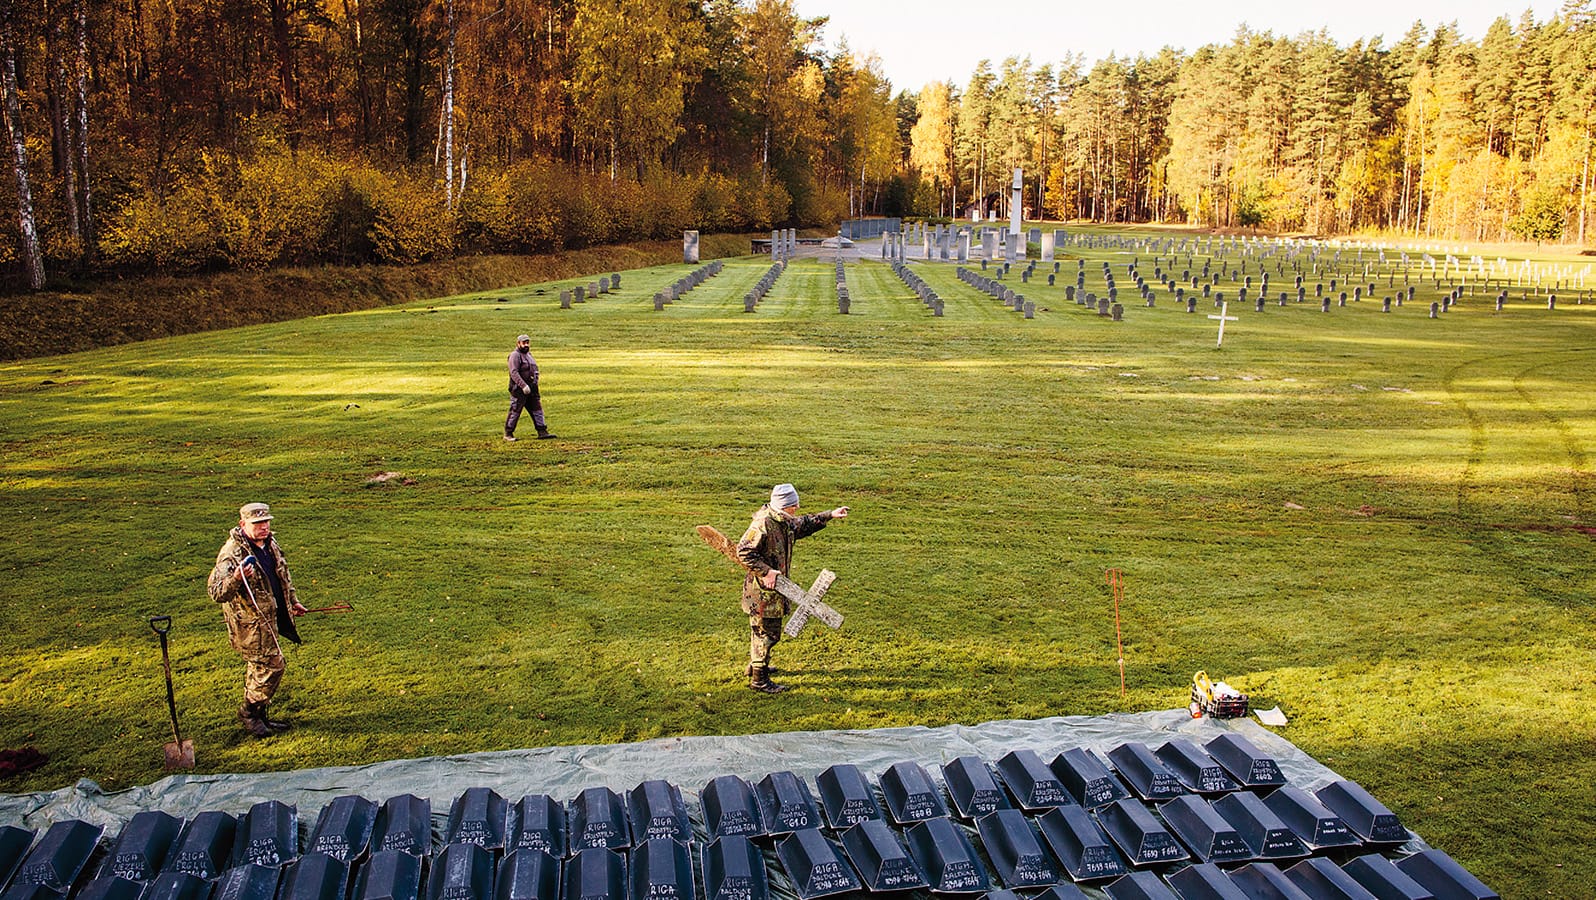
(931, 40)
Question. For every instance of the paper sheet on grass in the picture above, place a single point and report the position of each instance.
(1270, 716)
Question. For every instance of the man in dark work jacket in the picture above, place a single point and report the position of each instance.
(524, 390)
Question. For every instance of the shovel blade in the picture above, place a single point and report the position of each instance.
(179, 755)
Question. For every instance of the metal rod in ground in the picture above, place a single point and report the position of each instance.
(1116, 580)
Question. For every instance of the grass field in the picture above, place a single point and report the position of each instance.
(1383, 523)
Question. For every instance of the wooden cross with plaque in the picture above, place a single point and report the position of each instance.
(805, 604)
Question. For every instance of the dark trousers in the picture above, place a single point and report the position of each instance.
(520, 401)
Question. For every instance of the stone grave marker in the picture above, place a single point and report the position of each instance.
(690, 247)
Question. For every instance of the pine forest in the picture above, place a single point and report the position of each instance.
(199, 135)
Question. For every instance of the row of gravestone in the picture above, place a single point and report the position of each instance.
(921, 289)
(999, 291)
(686, 283)
(843, 301)
(763, 286)
(594, 289)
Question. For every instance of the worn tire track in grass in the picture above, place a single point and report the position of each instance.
(1476, 427)
(1532, 562)
(1579, 468)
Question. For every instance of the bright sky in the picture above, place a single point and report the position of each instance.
(930, 40)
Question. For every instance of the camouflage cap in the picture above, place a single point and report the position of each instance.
(250, 513)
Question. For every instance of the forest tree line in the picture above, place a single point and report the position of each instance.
(185, 135)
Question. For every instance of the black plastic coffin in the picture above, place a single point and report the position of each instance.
(315, 876)
(1442, 875)
(657, 810)
(1366, 816)
(1146, 774)
(404, 823)
(177, 886)
(1198, 771)
(597, 819)
(343, 828)
(1242, 759)
(1311, 820)
(268, 835)
(58, 858)
(911, 794)
(111, 887)
(142, 846)
(1032, 783)
(528, 874)
(1001, 895)
(537, 823)
(204, 846)
(730, 808)
(881, 860)
(14, 843)
(974, 790)
(1060, 892)
(846, 797)
(1264, 881)
(1380, 877)
(1259, 827)
(20, 891)
(1322, 879)
(734, 869)
(389, 875)
(1205, 881)
(1139, 886)
(478, 816)
(247, 882)
(662, 869)
(947, 857)
(1202, 829)
(1015, 850)
(815, 865)
(1087, 779)
(461, 872)
(595, 874)
(1139, 834)
(785, 803)
(1080, 844)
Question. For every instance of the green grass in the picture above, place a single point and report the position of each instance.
(1425, 617)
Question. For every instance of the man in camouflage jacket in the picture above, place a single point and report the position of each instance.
(766, 549)
(251, 582)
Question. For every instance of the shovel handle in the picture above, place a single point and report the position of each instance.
(161, 624)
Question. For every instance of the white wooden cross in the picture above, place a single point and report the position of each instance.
(1224, 307)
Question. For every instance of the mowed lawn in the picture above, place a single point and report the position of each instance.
(1381, 522)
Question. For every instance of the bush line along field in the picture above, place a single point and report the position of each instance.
(1380, 522)
(116, 312)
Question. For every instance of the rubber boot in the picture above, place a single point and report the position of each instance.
(759, 680)
(276, 725)
(772, 671)
(250, 715)
(544, 434)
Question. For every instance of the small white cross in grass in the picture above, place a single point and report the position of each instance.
(1223, 308)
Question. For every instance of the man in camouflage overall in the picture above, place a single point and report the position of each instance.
(251, 582)
(766, 549)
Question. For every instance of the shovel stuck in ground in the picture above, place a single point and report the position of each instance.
(179, 753)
